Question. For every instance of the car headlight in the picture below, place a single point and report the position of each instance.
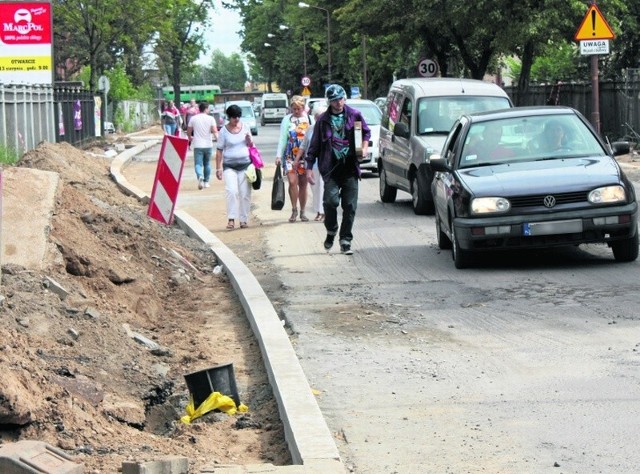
(607, 194)
(489, 205)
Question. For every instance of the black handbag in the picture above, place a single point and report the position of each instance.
(256, 184)
(277, 192)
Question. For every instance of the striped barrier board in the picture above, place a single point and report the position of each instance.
(164, 195)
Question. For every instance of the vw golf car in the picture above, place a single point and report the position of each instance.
(531, 177)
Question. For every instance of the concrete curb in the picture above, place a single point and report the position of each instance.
(308, 437)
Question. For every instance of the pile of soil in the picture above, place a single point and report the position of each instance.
(99, 373)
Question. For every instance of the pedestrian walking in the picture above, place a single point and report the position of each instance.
(333, 145)
(317, 188)
(202, 130)
(293, 128)
(232, 160)
(170, 118)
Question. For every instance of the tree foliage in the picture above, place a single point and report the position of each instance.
(373, 40)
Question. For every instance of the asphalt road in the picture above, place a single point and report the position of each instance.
(527, 363)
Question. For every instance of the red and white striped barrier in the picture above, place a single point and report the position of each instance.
(167, 181)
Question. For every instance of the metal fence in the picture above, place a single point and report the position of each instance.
(30, 114)
(619, 102)
(26, 117)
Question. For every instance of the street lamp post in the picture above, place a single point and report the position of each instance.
(306, 5)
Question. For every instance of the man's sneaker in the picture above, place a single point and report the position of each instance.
(346, 249)
(206, 184)
(328, 242)
(200, 183)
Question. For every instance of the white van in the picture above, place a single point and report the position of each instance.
(274, 108)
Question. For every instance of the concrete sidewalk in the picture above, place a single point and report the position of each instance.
(310, 442)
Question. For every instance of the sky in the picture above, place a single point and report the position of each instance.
(222, 34)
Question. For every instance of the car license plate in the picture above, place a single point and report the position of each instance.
(555, 227)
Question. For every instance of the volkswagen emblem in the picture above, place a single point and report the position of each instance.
(549, 201)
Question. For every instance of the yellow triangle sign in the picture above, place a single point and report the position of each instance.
(594, 26)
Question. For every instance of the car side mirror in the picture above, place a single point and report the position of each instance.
(438, 163)
(620, 148)
(401, 130)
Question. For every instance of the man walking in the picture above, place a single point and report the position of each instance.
(201, 131)
(334, 145)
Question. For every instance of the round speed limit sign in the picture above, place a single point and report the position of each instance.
(427, 68)
(306, 80)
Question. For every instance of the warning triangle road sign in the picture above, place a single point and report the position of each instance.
(594, 26)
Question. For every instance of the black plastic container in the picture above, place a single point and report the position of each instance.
(203, 383)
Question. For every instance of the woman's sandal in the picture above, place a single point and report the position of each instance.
(231, 224)
(303, 217)
(321, 217)
(294, 215)
(243, 225)
(317, 218)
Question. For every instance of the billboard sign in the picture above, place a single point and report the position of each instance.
(26, 43)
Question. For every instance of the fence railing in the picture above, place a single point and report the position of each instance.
(26, 117)
(619, 102)
(30, 114)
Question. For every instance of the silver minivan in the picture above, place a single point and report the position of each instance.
(418, 115)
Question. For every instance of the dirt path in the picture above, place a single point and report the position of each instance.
(73, 376)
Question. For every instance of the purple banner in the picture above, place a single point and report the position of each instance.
(77, 116)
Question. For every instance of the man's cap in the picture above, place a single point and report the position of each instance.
(335, 92)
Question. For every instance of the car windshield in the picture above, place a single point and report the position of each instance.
(247, 111)
(436, 115)
(370, 112)
(275, 104)
(531, 138)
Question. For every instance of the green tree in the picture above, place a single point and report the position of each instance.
(228, 71)
(180, 39)
(95, 33)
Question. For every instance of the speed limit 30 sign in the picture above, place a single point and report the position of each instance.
(306, 81)
(428, 68)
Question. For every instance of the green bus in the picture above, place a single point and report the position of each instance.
(199, 93)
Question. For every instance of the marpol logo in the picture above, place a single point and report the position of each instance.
(27, 24)
(23, 23)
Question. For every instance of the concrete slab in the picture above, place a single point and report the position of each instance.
(36, 457)
(25, 218)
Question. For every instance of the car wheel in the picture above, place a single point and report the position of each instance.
(461, 258)
(626, 250)
(262, 122)
(254, 132)
(387, 193)
(421, 195)
(443, 241)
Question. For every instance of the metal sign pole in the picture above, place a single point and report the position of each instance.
(595, 93)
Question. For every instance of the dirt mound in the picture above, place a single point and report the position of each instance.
(100, 372)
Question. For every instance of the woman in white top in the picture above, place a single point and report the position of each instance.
(232, 160)
(292, 131)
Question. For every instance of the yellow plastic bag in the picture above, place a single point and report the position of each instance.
(215, 401)
(251, 173)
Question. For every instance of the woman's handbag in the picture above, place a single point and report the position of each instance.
(256, 184)
(255, 156)
(277, 192)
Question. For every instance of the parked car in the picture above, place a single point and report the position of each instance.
(380, 102)
(248, 115)
(531, 177)
(109, 127)
(372, 115)
(415, 122)
(217, 112)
